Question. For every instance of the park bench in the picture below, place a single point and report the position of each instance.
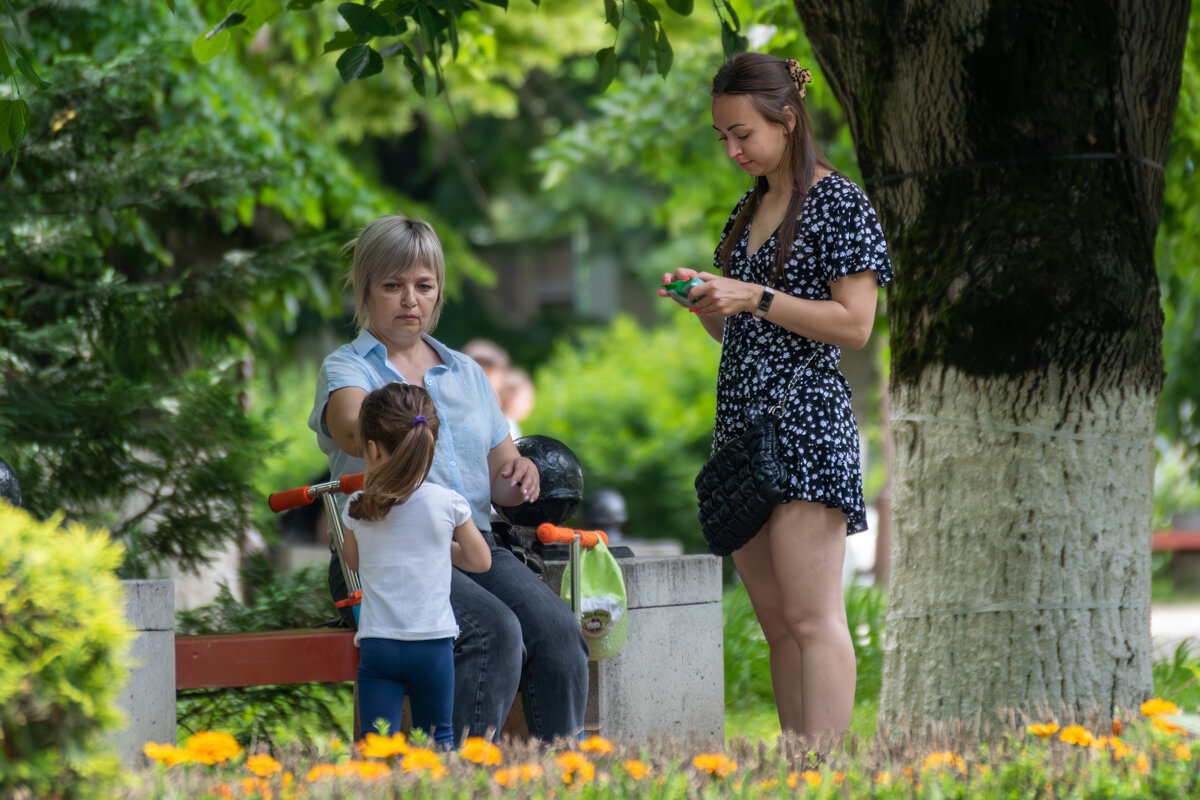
(1176, 541)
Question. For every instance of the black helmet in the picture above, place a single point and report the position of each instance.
(561, 482)
(603, 507)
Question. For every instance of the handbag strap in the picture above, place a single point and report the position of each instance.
(777, 409)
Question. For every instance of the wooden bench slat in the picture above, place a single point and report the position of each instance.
(1176, 540)
(259, 659)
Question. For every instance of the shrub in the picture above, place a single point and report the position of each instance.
(63, 656)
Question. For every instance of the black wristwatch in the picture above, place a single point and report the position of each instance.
(764, 302)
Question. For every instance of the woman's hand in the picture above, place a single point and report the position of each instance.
(523, 473)
(724, 296)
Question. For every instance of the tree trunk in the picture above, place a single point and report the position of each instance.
(1014, 152)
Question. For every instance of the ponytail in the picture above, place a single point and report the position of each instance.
(401, 419)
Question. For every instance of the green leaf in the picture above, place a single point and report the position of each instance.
(301, 5)
(607, 59)
(27, 70)
(737, 25)
(360, 61)
(260, 12)
(731, 42)
(681, 7)
(415, 71)
(646, 46)
(14, 122)
(647, 11)
(663, 56)
(5, 65)
(171, 5)
(502, 3)
(12, 14)
(343, 39)
(363, 20)
(206, 49)
(612, 15)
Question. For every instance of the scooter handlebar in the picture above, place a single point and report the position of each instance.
(303, 495)
(552, 534)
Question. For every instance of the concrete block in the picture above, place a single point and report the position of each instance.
(148, 697)
(668, 681)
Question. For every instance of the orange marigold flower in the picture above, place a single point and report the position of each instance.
(224, 792)
(367, 770)
(596, 744)
(884, 778)
(1143, 764)
(812, 778)
(1182, 753)
(519, 773)
(838, 777)
(1118, 728)
(714, 764)
(944, 760)
(1043, 729)
(212, 747)
(420, 759)
(257, 786)
(167, 754)
(576, 768)
(1077, 734)
(1159, 707)
(263, 765)
(793, 780)
(1167, 726)
(636, 769)
(767, 783)
(375, 746)
(1119, 748)
(481, 751)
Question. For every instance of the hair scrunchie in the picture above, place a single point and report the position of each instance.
(418, 419)
(800, 75)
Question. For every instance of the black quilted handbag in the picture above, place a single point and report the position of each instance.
(742, 483)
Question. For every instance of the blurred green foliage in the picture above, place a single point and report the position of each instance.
(64, 646)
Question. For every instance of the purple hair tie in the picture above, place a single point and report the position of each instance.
(416, 419)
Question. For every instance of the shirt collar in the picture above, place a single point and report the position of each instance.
(365, 343)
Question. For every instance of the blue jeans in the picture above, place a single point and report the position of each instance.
(514, 633)
(387, 668)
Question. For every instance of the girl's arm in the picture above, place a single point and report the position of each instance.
(844, 320)
(469, 551)
(341, 417)
(515, 479)
(350, 549)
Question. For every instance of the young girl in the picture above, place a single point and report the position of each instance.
(402, 535)
(800, 262)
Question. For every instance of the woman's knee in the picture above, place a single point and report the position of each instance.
(809, 628)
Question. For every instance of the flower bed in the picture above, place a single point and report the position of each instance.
(1155, 756)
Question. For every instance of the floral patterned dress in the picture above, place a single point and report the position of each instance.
(839, 234)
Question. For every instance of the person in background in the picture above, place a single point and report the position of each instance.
(402, 536)
(494, 360)
(516, 399)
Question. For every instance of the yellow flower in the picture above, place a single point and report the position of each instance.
(596, 744)
(419, 759)
(1043, 729)
(367, 770)
(884, 778)
(636, 769)
(1182, 753)
(1167, 726)
(1159, 707)
(263, 765)
(1143, 764)
(838, 777)
(521, 772)
(812, 778)
(481, 751)
(1119, 748)
(167, 754)
(321, 771)
(258, 786)
(375, 746)
(576, 768)
(212, 747)
(944, 760)
(714, 764)
(224, 792)
(1077, 734)
(793, 780)
(767, 783)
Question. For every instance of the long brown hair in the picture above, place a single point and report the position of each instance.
(768, 83)
(391, 417)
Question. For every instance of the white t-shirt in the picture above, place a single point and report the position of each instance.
(404, 565)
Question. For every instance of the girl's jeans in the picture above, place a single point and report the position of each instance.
(514, 633)
(425, 669)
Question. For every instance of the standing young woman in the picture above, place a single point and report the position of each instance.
(800, 261)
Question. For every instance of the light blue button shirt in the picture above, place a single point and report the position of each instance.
(469, 416)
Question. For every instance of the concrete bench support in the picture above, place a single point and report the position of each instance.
(148, 697)
(669, 678)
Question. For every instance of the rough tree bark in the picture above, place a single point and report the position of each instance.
(1014, 152)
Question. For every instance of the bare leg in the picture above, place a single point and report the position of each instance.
(753, 563)
(808, 545)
